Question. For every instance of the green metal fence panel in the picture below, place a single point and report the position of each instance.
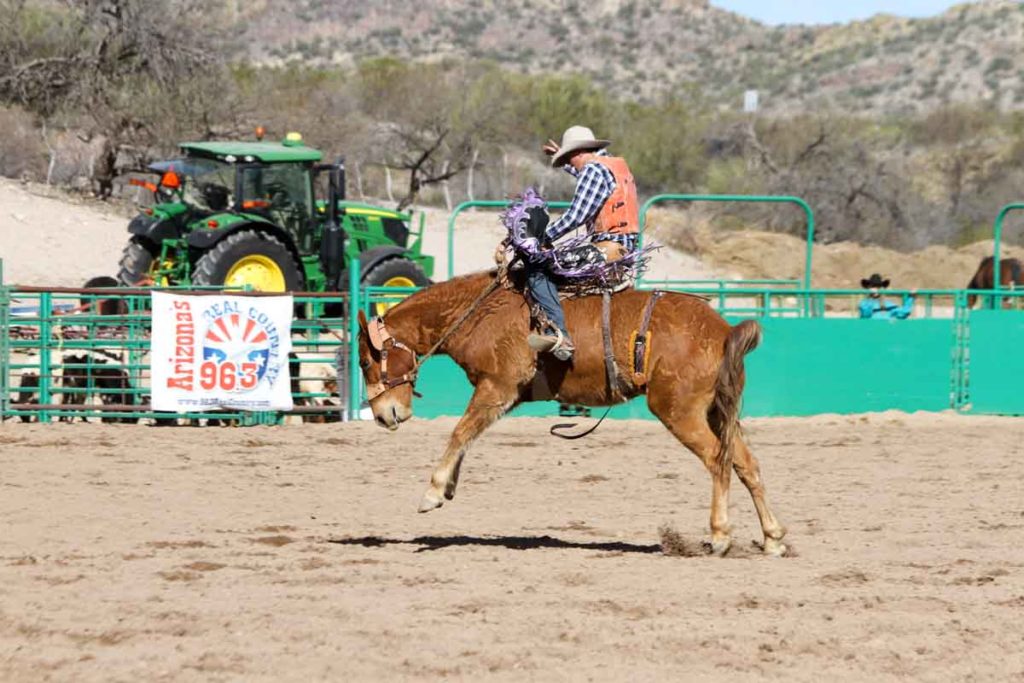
(64, 357)
(807, 364)
(5, 356)
(995, 364)
(997, 237)
(811, 366)
(739, 198)
(804, 366)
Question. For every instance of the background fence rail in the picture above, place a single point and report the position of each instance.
(67, 352)
(65, 357)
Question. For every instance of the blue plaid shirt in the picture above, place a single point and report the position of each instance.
(594, 184)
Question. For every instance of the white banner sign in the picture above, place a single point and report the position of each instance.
(221, 351)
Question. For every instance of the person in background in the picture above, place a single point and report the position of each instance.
(874, 305)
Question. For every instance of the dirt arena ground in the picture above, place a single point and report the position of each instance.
(141, 553)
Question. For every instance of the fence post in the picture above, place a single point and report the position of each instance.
(45, 369)
(960, 389)
(997, 238)
(354, 307)
(741, 198)
(5, 351)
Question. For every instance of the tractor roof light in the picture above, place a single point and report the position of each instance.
(212, 224)
(260, 132)
(170, 180)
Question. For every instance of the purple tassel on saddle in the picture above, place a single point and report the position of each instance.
(575, 260)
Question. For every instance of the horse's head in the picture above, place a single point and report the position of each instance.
(389, 369)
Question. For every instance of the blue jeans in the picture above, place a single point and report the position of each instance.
(544, 292)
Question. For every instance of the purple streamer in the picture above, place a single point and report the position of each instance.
(575, 260)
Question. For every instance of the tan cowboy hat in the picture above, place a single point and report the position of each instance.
(574, 139)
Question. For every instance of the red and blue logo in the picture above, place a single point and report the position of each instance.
(239, 349)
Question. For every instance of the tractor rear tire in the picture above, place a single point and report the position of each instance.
(266, 254)
(395, 272)
(136, 263)
(389, 273)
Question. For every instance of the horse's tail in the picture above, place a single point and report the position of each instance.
(724, 414)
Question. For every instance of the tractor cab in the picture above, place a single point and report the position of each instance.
(246, 214)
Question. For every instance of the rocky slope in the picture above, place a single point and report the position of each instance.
(646, 48)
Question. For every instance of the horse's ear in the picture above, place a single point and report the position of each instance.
(362, 320)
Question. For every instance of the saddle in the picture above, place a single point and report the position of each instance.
(619, 389)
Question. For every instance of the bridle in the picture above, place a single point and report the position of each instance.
(382, 341)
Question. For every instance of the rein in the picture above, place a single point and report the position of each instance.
(556, 429)
(380, 338)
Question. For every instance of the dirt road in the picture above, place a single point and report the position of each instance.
(267, 554)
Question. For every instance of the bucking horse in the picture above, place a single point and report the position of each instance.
(674, 347)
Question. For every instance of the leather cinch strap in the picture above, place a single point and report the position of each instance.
(640, 346)
(611, 368)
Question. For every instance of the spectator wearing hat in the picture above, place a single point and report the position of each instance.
(875, 307)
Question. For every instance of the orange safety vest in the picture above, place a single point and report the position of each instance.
(620, 214)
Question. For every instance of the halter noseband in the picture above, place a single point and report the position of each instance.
(382, 341)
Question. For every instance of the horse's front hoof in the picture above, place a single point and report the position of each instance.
(774, 548)
(719, 546)
(430, 501)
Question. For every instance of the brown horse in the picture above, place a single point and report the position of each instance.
(694, 375)
(1009, 276)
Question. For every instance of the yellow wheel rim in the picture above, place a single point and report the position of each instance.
(260, 273)
(397, 281)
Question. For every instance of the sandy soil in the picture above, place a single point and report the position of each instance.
(135, 553)
(52, 238)
(841, 265)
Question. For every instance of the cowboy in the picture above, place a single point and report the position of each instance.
(874, 306)
(604, 203)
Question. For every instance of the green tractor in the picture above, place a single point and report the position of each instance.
(248, 215)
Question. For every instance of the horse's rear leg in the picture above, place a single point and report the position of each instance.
(750, 474)
(694, 432)
(488, 404)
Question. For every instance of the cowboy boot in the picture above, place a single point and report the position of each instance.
(558, 344)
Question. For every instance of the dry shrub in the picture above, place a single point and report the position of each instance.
(22, 154)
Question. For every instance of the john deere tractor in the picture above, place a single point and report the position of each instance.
(247, 214)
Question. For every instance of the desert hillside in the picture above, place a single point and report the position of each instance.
(646, 48)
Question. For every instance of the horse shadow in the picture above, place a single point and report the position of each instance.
(432, 543)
